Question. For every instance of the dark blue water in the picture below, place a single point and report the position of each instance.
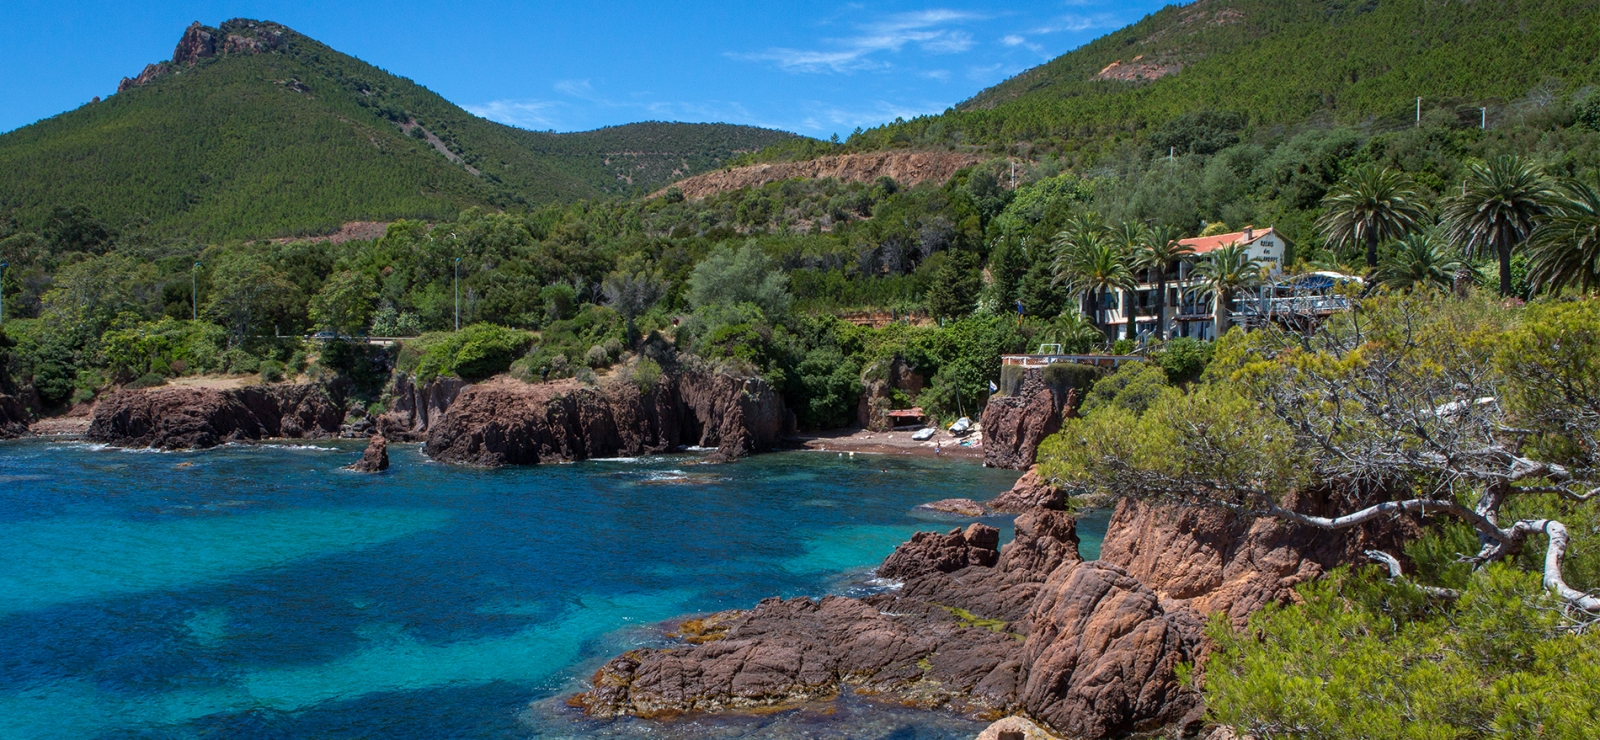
(261, 592)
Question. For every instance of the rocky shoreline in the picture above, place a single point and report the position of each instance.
(498, 422)
(1088, 649)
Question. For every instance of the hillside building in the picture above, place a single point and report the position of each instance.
(1190, 307)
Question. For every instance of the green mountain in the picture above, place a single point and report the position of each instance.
(1280, 63)
(254, 130)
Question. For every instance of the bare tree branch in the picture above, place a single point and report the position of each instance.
(1396, 576)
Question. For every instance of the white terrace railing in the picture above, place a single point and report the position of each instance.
(1032, 361)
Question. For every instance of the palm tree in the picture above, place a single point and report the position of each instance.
(1565, 249)
(1162, 252)
(1420, 260)
(1079, 231)
(1130, 238)
(1369, 206)
(1227, 270)
(1498, 208)
(1092, 264)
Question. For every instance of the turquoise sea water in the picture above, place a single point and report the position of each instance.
(261, 592)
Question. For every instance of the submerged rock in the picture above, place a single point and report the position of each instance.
(188, 418)
(1015, 728)
(958, 506)
(375, 459)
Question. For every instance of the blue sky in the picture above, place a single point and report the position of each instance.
(812, 68)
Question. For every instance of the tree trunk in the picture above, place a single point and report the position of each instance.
(1130, 304)
(1104, 318)
(1161, 305)
(1220, 312)
(1504, 250)
(1372, 251)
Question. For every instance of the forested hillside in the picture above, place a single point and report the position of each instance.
(254, 130)
(1273, 64)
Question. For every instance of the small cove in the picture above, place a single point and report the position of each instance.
(259, 591)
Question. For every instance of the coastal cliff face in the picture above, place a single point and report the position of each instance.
(507, 422)
(413, 407)
(182, 418)
(1014, 425)
(13, 417)
(1212, 561)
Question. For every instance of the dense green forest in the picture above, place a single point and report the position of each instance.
(1274, 65)
(594, 277)
(298, 139)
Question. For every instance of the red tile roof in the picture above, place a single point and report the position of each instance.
(1203, 244)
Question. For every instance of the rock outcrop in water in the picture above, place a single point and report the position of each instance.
(508, 422)
(1032, 629)
(375, 459)
(186, 418)
(1030, 490)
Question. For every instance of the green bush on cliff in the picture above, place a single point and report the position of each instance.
(474, 353)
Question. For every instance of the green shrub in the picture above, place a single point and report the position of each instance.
(148, 380)
(1183, 359)
(476, 352)
(1365, 658)
(1068, 376)
(1133, 387)
(271, 371)
(646, 373)
(597, 357)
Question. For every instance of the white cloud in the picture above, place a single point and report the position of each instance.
(823, 117)
(1074, 23)
(1013, 40)
(529, 114)
(923, 28)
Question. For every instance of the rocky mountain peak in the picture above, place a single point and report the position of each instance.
(237, 36)
(198, 42)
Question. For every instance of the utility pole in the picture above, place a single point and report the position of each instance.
(194, 293)
(458, 294)
(1484, 125)
(1419, 112)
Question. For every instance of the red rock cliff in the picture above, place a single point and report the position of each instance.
(177, 418)
(508, 422)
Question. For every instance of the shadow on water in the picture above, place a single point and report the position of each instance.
(262, 592)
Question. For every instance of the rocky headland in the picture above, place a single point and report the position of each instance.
(502, 421)
(1087, 649)
(194, 417)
